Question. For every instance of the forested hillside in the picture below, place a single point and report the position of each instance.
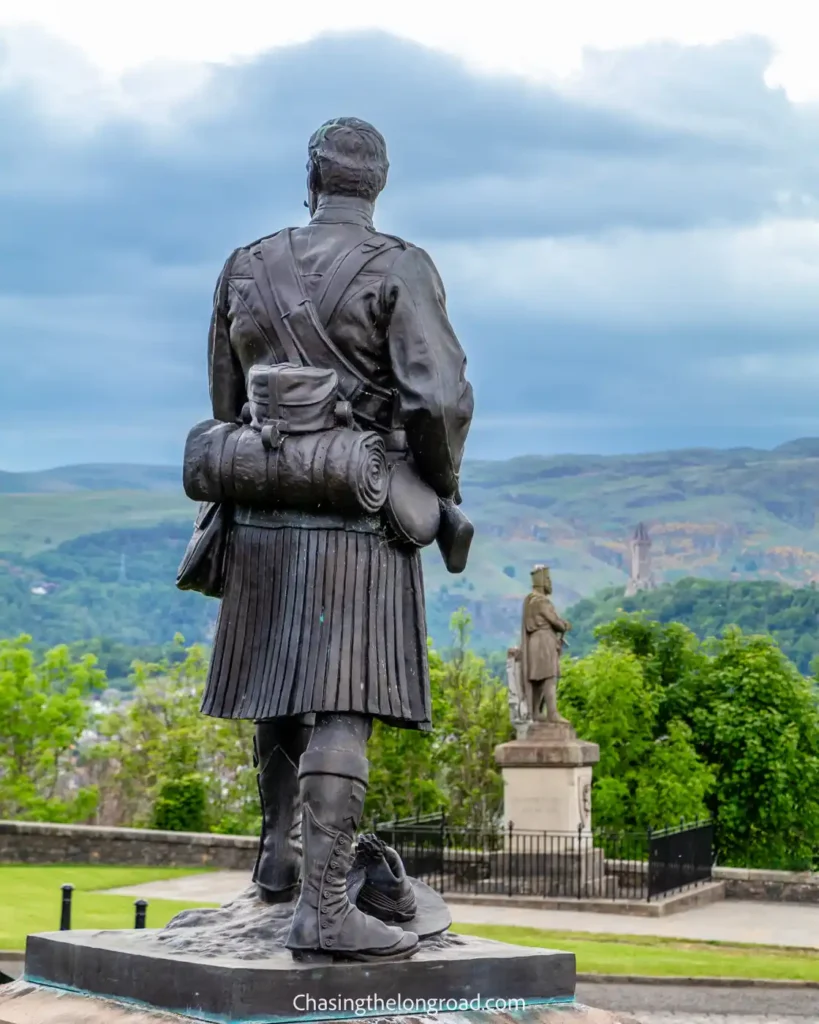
(117, 584)
(716, 515)
(789, 615)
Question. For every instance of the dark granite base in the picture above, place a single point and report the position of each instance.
(134, 967)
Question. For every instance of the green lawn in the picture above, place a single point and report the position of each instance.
(648, 955)
(30, 902)
(30, 898)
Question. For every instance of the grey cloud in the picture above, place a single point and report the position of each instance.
(590, 238)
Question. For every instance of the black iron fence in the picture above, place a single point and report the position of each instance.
(602, 864)
(679, 858)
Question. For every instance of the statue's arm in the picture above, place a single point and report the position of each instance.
(226, 381)
(429, 370)
(554, 620)
(541, 614)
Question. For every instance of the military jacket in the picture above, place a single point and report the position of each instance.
(391, 324)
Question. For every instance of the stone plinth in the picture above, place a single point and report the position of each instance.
(547, 779)
(135, 968)
(23, 1003)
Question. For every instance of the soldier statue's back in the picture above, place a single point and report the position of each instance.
(340, 413)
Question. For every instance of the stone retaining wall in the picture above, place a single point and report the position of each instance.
(741, 883)
(24, 842)
(770, 886)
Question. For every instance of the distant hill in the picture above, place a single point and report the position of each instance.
(707, 607)
(101, 477)
(715, 514)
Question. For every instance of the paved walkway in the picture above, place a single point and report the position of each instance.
(213, 887)
(697, 1004)
(776, 924)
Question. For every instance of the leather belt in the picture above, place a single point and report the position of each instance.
(277, 519)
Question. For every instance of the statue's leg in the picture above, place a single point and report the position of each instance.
(550, 696)
(277, 749)
(537, 700)
(333, 776)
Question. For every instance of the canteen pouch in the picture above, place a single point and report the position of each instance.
(412, 507)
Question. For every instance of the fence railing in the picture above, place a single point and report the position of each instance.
(603, 864)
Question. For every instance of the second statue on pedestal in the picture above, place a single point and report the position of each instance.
(541, 645)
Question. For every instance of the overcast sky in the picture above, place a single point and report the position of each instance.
(628, 233)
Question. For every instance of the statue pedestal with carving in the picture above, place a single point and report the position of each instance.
(547, 780)
(547, 777)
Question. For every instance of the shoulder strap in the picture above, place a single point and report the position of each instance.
(299, 330)
(285, 347)
(346, 269)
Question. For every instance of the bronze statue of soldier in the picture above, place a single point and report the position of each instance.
(542, 639)
(341, 410)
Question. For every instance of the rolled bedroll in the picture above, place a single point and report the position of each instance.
(341, 469)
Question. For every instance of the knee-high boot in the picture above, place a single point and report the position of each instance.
(333, 787)
(278, 746)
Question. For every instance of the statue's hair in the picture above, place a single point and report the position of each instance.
(347, 157)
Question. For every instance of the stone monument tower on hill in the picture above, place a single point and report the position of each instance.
(641, 577)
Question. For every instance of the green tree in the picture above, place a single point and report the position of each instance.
(452, 767)
(756, 719)
(671, 657)
(44, 711)
(646, 777)
(474, 719)
(405, 778)
(675, 783)
(749, 715)
(164, 762)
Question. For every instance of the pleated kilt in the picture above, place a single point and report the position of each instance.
(319, 618)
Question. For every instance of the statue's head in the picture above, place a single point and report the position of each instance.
(346, 157)
(541, 578)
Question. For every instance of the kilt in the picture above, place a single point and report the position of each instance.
(319, 618)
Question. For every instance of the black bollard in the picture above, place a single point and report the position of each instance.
(141, 909)
(65, 910)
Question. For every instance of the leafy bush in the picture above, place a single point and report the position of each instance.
(181, 805)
